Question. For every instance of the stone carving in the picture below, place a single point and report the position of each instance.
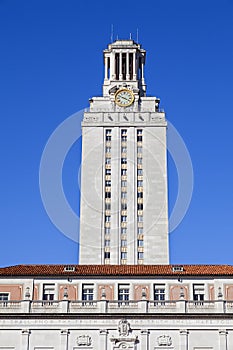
(84, 340)
(124, 328)
(164, 340)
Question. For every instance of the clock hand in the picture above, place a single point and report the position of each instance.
(125, 98)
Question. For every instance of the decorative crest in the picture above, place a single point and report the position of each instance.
(84, 340)
(123, 328)
(164, 340)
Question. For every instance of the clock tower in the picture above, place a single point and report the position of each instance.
(124, 215)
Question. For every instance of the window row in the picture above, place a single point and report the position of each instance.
(108, 135)
(161, 291)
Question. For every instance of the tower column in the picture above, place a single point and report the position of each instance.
(120, 66)
(106, 68)
(127, 66)
(112, 69)
(142, 70)
(134, 66)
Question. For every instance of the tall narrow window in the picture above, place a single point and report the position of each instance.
(4, 296)
(139, 135)
(88, 292)
(123, 293)
(159, 293)
(48, 291)
(108, 135)
(198, 293)
(123, 135)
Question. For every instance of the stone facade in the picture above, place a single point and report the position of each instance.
(122, 307)
(124, 216)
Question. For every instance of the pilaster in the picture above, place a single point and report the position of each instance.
(25, 339)
(183, 339)
(145, 339)
(64, 339)
(103, 336)
(223, 339)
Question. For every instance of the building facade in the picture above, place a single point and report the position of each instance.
(124, 295)
(110, 307)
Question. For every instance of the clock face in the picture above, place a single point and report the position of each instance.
(124, 97)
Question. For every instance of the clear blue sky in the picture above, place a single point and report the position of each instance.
(51, 64)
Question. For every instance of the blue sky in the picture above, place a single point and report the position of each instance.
(51, 64)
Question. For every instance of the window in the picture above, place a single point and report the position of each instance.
(140, 230)
(48, 291)
(123, 243)
(108, 149)
(123, 206)
(139, 160)
(123, 230)
(140, 172)
(140, 183)
(4, 296)
(123, 218)
(123, 183)
(69, 268)
(107, 194)
(123, 172)
(140, 206)
(123, 293)
(107, 243)
(140, 194)
(123, 161)
(139, 135)
(107, 218)
(108, 183)
(107, 171)
(140, 218)
(107, 206)
(140, 149)
(198, 292)
(177, 268)
(108, 135)
(140, 243)
(159, 292)
(123, 149)
(88, 292)
(108, 161)
(123, 135)
(140, 255)
(106, 255)
(107, 230)
(123, 255)
(124, 195)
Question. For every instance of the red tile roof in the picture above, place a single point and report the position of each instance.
(117, 270)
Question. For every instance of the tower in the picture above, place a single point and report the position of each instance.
(124, 216)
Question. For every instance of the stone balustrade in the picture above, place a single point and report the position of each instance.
(111, 307)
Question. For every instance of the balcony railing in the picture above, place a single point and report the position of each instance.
(111, 307)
